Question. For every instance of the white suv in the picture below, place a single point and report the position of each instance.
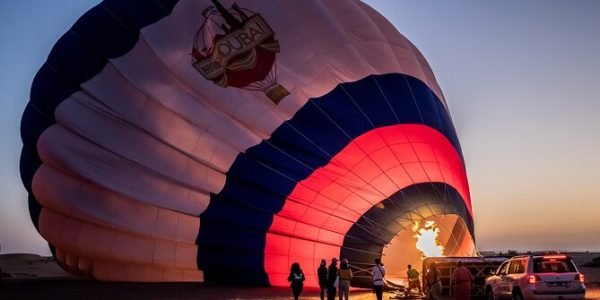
(536, 277)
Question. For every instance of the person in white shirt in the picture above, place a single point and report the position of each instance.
(378, 273)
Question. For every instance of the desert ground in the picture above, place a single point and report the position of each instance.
(29, 276)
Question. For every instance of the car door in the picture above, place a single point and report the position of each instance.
(515, 274)
(500, 288)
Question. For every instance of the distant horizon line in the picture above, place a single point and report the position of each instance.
(545, 250)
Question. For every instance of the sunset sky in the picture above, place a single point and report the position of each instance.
(521, 78)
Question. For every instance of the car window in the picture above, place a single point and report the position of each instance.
(517, 266)
(553, 265)
(503, 270)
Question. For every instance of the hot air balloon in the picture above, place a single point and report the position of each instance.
(221, 142)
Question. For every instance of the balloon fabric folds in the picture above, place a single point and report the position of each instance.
(221, 142)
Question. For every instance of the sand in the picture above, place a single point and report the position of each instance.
(29, 276)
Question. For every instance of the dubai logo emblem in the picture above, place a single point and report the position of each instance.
(236, 48)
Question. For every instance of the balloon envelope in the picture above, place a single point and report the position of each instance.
(140, 166)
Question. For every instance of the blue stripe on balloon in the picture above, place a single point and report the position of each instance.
(261, 178)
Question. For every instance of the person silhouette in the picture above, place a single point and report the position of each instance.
(345, 275)
(331, 278)
(413, 280)
(434, 284)
(461, 282)
(322, 275)
(296, 279)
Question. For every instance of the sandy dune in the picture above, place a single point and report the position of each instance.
(28, 266)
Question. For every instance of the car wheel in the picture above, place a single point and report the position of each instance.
(489, 294)
(516, 295)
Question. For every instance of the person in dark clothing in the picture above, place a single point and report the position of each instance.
(322, 273)
(434, 284)
(331, 276)
(297, 280)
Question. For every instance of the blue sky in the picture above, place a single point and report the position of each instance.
(30, 29)
(521, 79)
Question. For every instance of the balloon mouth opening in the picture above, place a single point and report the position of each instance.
(434, 236)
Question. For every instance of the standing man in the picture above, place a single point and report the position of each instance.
(461, 282)
(331, 276)
(322, 273)
(378, 273)
(413, 280)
